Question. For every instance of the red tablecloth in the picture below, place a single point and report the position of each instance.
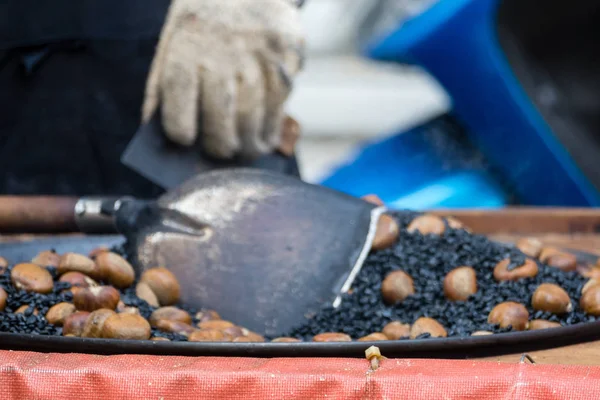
(27, 375)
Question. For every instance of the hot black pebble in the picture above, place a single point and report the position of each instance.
(427, 259)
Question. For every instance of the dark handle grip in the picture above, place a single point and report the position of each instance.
(37, 214)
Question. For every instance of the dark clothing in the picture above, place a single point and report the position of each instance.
(72, 79)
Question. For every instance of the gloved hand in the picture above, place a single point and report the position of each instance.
(222, 72)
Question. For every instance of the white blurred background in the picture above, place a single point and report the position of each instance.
(342, 99)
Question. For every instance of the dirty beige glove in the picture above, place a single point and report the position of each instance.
(222, 72)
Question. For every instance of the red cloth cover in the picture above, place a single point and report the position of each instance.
(28, 375)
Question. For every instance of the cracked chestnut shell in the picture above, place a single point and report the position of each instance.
(528, 269)
(96, 297)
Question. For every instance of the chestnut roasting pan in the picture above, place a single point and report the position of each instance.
(573, 229)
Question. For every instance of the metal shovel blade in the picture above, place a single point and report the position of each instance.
(263, 249)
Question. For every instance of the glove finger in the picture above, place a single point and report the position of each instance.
(251, 108)
(151, 96)
(277, 87)
(219, 103)
(179, 95)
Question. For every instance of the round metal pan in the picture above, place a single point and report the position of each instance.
(454, 347)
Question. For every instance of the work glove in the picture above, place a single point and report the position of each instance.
(222, 72)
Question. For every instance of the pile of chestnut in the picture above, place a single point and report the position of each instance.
(96, 311)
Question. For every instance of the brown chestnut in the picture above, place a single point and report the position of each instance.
(46, 258)
(95, 298)
(589, 284)
(164, 285)
(456, 224)
(115, 269)
(529, 246)
(332, 337)
(427, 325)
(386, 234)
(3, 297)
(537, 324)
(160, 339)
(178, 327)
(122, 308)
(373, 337)
(206, 335)
(58, 313)
(25, 307)
(558, 259)
(252, 337)
(74, 323)
(31, 278)
(3, 265)
(285, 340)
(207, 315)
(592, 273)
(126, 326)
(509, 314)
(373, 199)
(396, 330)
(460, 283)
(78, 263)
(482, 333)
(427, 225)
(215, 324)
(170, 313)
(396, 287)
(95, 323)
(94, 253)
(235, 331)
(144, 292)
(552, 298)
(77, 280)
(590, 300)
(528, 269)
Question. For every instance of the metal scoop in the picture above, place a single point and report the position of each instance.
(263, 249)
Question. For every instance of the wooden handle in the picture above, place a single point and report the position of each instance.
(37, 214)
